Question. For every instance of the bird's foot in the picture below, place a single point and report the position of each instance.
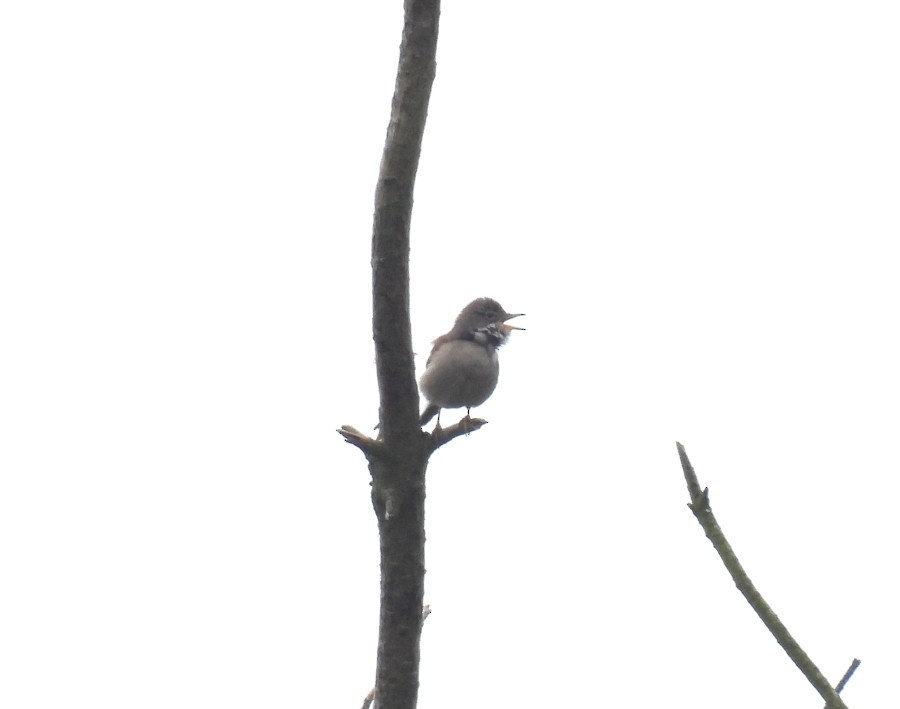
(463, 427)
(468, 425)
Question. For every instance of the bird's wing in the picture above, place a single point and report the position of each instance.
(436, 345)
(445, 338)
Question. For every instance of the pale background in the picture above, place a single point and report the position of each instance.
(696, 204)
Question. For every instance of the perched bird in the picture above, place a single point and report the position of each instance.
(462, 369)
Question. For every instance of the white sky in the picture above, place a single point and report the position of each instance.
(696, 204)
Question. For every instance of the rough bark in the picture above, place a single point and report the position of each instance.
(398, 463)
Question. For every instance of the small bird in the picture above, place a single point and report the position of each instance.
(462, 369)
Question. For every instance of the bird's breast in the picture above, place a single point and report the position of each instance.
(461, 373)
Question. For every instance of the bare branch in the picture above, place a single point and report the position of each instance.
(700, 506)
(370, 697)
(398, 472)
(839, 687)
(393, 213)
(367, 445)
(464, 427)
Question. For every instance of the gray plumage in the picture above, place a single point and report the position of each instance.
(463, 367)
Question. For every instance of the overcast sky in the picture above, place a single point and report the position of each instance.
(695, 204)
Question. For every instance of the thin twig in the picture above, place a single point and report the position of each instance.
(839, 687)
(463, 428)
(356, 438)
(370, 697)
(700, 506)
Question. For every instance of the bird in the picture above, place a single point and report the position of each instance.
(463, 368)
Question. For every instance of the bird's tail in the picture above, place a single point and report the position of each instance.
(428, 414)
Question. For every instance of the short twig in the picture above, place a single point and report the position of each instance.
(370, 697)
(846, 678)
(355, 437)
(700, 506)
(463, 428)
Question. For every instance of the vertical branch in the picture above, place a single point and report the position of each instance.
(393, 212)
(398, 464)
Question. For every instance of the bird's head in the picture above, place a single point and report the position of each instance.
(483, 312)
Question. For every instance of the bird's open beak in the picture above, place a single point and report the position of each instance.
(506, 327)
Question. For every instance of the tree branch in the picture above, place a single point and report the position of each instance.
(839, 687)
(369, 446)
(393, 212)
(464, 427)
(700, 506)
(398, 468)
